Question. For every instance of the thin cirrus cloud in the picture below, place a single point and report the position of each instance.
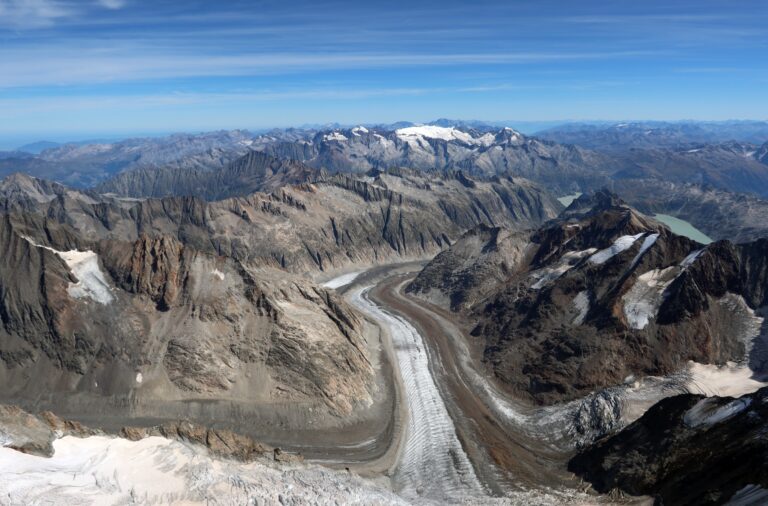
(113, 4)
(180, 60)
(31, 13)
(19, 69)
(36, 14)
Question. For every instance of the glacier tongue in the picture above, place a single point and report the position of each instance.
(433, 463)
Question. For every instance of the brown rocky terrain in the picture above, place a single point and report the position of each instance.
(34, 434)
(132, 323)
(145, 310)
(330, 224)
(600, 295)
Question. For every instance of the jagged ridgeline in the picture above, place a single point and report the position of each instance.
(602, 294)
(175, 306)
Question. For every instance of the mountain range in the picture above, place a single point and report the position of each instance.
(671, 153)
(143, 306)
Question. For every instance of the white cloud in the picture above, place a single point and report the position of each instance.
(112, 4)
(31, 13)
(48, 66)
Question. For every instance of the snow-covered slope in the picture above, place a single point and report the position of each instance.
(102, 471)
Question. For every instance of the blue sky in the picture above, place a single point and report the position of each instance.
(70, 69)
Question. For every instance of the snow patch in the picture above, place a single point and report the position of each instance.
(335, 136)
(649, 241)
(486, 140)
(84, 265)
(218, 274)
(342, 280)
(91, 283)
(688, 261)
(750, 495)
(621, 244)
(547, 275)
(707, 412)
(642, 301)
(581, 303)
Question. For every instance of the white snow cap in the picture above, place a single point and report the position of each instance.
(335, 136)
(434, 132)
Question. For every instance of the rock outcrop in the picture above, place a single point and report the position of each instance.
(35, 434)
(686, 449)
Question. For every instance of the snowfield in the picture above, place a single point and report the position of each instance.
(105, 471)
(84, 265)
(411, 134)
(706, 412)
(91, 282)
(547, 275)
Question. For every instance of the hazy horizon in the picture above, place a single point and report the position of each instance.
(118, 67)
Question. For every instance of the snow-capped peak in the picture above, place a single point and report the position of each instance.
(335, 136)
(434, 132)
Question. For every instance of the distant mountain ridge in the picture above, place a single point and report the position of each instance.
(656, 134)
(642, 151)
(253, 172)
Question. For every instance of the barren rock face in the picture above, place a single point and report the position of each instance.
(686, 449)
(252, 172)
(177, 324)
(161, 308)
(330, 224)
(599, 295)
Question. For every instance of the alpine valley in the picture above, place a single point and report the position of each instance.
(447, 312)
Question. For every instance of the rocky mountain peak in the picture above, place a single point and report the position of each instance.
(560, 301)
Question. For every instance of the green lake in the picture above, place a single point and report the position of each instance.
(682, 227)
(567, 199)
